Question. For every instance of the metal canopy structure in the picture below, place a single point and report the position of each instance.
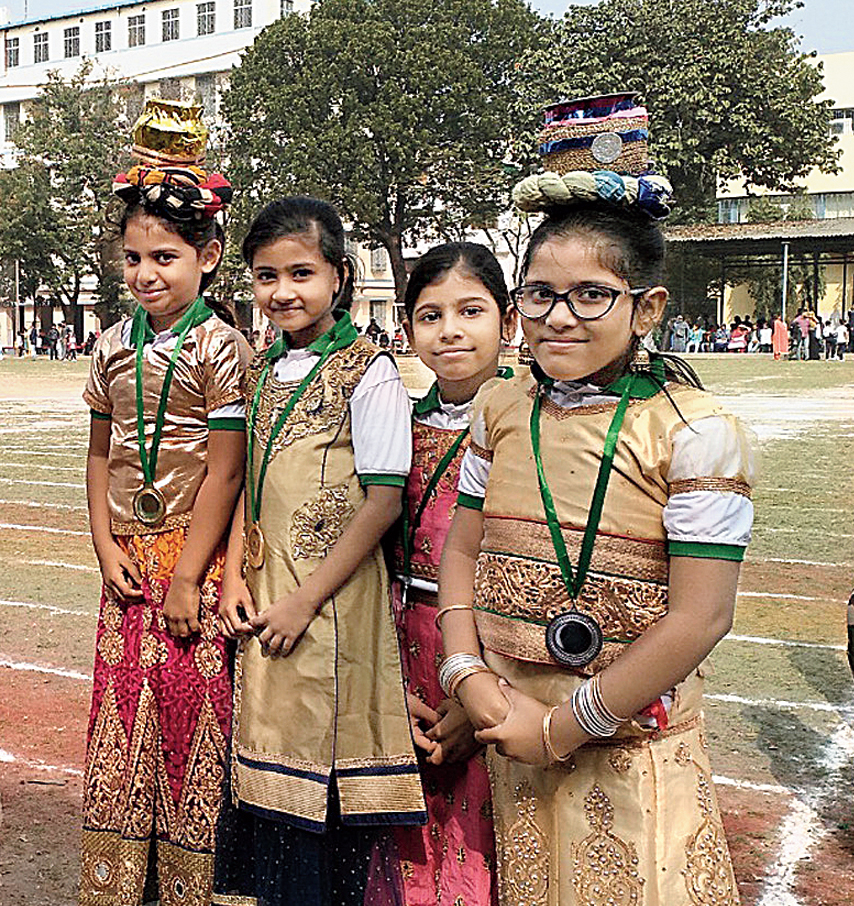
(745, 245)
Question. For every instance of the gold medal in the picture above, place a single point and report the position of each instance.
(149, 505)
(255, 546)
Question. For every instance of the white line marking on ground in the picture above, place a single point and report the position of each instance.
(41, 668)
(59, 563)
(40, 506)
(22, 451)
(762, 529)
(770, 594)
(9, 758)
(41, 528)
(800, 562)
(777, 703)
(784, 643)
(50, 607)
(799, 833)
(48, 484)
(754, 787)
(47, 467)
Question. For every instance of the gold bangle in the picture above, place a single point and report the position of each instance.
(463, 675)
(441, 613)
(547, 738)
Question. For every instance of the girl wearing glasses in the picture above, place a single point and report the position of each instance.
(591, 567)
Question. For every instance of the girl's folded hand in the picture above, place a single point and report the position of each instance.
(453, 735)
(520, 735)
(236, 608)
(282, 624)
(181, 607)
(419, 715)
(119, 572)
(483, 700)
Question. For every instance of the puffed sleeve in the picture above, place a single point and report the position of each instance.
(477, 461)
(712, 472)
(227, 356)
(381, 425)
(97, 394)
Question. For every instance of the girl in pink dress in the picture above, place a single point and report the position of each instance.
(456, 311)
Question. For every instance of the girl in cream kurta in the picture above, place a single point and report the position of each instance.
(586, 819)
(322, 754)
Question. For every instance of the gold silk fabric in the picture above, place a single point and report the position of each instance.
(632, 819)
(208, 374)
(336, 703)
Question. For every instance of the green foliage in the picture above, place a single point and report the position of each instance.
(52, 207)
(397, 111)
(729, 95)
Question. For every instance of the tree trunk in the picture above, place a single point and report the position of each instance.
(394, 247)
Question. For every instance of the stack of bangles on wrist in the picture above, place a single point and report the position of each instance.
(591, 712)
(458, 667)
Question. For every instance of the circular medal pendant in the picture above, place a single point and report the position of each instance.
(149, 506)
(255, 546)
(574, 639)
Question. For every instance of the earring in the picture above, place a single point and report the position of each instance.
(640, 361)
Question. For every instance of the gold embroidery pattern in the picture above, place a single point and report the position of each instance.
(523, 589)
(525, 866)
(111, 614)
(708, 875)
(111, 647)
(620, 760)
(112, 870)
(683, 755)
(318, 524)
(145, 766)
(323, 404)
(208, 660)
(105, 766)
(185, 878)
(639, 559)
(152, 651)
(199, 806)
(731, 485)
(605, 868)
(181, 520)
(481, 452)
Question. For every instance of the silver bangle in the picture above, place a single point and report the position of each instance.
(591, 712)
(457, 663)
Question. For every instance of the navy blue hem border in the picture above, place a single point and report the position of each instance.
(282, 769)
(380, 819)
(306, 824)
(377, 770)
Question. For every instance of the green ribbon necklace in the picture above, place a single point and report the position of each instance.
(149, 504)
(340, 336)
(573, 638)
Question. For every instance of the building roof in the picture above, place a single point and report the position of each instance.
(72, 13)
(739, 239)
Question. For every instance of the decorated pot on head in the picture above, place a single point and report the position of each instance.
(595, 148)
(169, 143)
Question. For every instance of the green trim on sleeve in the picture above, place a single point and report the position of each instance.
(469, 501)
(100, 416)
(395, 481)
(709, 551)
(226, 424)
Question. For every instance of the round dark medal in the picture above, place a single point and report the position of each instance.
(574, 639)
(255, 547)
(149, 506)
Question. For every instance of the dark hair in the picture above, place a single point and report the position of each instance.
(197, 234)
(627, 242)
(477, 259)
(303, 214)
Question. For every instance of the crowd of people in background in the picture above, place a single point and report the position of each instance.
(58, 342)
(807, 336)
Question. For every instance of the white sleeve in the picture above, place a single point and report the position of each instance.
(229, 410)
(380, 418)
(711, 474)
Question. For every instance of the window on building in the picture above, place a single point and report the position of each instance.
(103, 37)
(136, 31)
(170, 24)
(242, 13)
(11, 119)
(40, 48)
(13, 52)
(286, 7)
(379, 260)
(170, 89)
(72, 41)
(206, 92)
(206, 18)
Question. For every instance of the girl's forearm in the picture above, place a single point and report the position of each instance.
(456, 581)
(375, 516)
(97, 483)
(234, 554)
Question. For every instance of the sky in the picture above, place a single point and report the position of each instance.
(818, 22)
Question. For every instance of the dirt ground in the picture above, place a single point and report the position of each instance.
(780, 704)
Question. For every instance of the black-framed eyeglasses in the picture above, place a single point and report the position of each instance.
(588, 301)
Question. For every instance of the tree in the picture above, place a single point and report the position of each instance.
(729, 96)
(54, 217)
(397, 111)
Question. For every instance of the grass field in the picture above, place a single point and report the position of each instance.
(781, 699)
